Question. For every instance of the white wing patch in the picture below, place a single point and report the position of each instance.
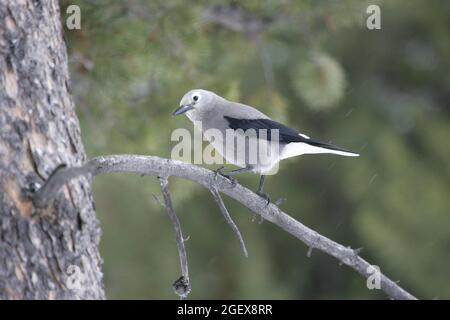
(303, 135)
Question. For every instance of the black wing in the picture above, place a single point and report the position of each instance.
(286, 134)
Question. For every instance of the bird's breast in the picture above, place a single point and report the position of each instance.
(244, 150)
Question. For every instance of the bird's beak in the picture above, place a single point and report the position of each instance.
(182, 109)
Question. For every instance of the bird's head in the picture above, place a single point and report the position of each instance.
(196, 102)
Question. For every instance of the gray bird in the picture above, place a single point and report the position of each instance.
(225, 124)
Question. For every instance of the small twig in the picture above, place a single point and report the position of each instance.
(182, 286)
(158, 200)
(228, 218)
(310, 250)
(236, 19)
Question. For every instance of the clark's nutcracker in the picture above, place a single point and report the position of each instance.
(216, 116)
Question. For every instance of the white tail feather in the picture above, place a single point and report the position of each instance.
(298, 148)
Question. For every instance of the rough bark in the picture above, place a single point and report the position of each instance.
(38, 131)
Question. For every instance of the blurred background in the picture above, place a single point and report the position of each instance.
(311, 64)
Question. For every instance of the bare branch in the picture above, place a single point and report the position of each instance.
(155, 166)
(56, 180)
(182, 286)
(228, 218)
(236, 19)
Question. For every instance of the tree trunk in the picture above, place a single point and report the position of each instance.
(39, 130)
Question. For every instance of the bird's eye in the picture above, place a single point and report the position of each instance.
(195, 98)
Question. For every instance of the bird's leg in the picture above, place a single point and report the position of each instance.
(262, 179)
(229, 174)
(260, 191)
(220, 171)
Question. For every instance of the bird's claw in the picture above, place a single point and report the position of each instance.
(265, 197)
(226, 176)
(217, 172)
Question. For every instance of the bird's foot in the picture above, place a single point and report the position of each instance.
(265, 196)
(225, 175)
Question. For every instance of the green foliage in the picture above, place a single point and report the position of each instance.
(383, 93)
(320, 81)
